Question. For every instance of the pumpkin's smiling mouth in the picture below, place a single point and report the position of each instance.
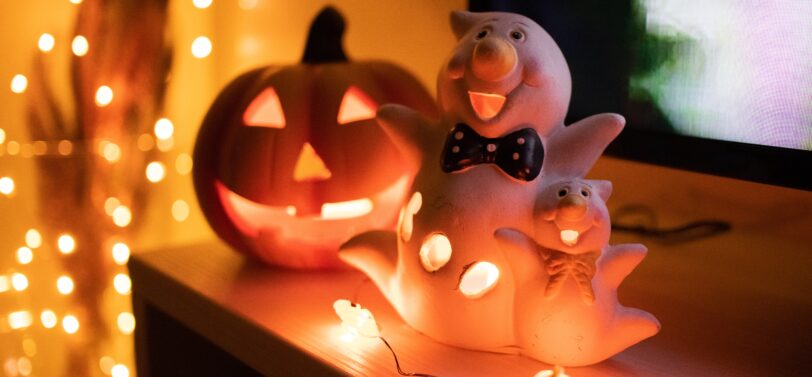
(250, 217)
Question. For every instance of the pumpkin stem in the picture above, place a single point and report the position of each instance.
(324, 40)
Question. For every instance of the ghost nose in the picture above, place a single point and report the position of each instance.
(493, 59)
(572, 207)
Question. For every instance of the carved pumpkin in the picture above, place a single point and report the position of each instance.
(289, 161)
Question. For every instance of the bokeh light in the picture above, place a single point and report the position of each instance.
(164, 129)
(33, 238)
(155, 171)
(122, 216)
(80, 46)
(122, 284)
(19, 83)
(64, 284)
(180, 210)
(66, 244)
(70, 324)
(201, 47)
(121, 253)
(25, 255)
(104, 96)
(46, 42)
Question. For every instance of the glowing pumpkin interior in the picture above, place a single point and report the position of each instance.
(290, 162)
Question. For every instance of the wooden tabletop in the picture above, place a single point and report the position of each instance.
(724, 311)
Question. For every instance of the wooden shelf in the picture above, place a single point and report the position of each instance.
(724, 312)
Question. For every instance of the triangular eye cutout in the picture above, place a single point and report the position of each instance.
(355, 106)
(309, 166)
(265, 111)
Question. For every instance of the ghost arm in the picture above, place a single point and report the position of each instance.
(522, 253)
(414, 135)
(572, 150)
(375, 254)
(618, 261)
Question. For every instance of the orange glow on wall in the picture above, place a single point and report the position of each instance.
(265, 111)
(355, 106)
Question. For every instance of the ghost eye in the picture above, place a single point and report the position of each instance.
(356, 105)
(482, 34)
(563, 192)
(265, 111)
(585, 193)
(517, 35)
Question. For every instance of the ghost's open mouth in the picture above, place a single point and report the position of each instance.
(486, 105)
(569, 237)
(249, 216)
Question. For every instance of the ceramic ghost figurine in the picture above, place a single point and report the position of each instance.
(567, 276)
(503, 93)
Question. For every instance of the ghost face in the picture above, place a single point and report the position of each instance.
(504, 72)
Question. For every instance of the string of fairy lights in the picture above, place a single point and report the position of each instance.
(161, 138)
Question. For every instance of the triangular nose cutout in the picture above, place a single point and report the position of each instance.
(309, 166)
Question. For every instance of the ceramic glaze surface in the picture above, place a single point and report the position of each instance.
(496, 255)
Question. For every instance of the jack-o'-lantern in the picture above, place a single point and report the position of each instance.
(289, 161)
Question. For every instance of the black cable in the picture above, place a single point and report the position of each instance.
(397, 363)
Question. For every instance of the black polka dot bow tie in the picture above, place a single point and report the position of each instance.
(519, 153)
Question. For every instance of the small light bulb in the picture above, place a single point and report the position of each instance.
(48, 319)
(202, 4)
(70, 324)
(122, 216)
(39, 148)
(80, 45)
(19, 319)
(145, 142)
(164, 129)
(201, 47)
(106, 364)
(19, 281)
(29, 347)
(6, 186)
(24, 366)
(165, 145)
(180, 210)
(155, 171)
(110, 205)
(46, 42)
(110, 151)
(104, 95)
(64, 285)
(19, 83)
(2, 136)
(66, 244)
(183, 164)
(120, 370)
(126, 323)
(25, 255)
(33, 238)
(5, 283)
(65, 147)
(121, 253)
(122, 284)
(76, 1)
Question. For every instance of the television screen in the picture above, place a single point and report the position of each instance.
(730, 70)
(715, 86)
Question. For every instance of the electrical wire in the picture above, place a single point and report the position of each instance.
(397, 363)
